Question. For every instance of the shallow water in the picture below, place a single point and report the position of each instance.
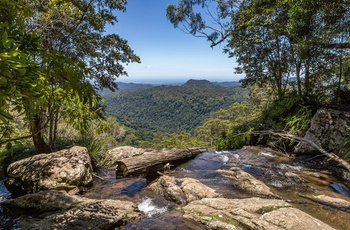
(4, 193)
(290, 179)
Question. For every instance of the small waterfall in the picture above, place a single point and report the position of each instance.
(149, 208)
(4, 193)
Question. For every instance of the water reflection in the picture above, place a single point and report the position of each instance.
(290, 179)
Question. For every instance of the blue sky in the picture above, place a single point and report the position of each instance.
(167, 54)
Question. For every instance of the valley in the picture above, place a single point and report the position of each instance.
(171, 108)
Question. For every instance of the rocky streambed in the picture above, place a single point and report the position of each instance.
(251, 188)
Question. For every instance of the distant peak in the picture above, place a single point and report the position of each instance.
(200, 83)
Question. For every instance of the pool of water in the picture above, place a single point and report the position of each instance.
(289, 178)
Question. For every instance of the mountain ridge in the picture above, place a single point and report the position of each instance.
(169, 108)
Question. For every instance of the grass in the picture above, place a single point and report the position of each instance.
(226, 220)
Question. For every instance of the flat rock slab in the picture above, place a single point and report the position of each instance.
(250, 213)
(62, 170)
(63, 211)
(337, 203)
(246, 182)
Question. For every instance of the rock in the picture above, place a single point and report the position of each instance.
(329, 128)
(246, 182)
(292, 218)
(70, 212)
(250, 213)
(337, 203)
(181, 190)
(62, 170)
(122, 152)
(43, 201)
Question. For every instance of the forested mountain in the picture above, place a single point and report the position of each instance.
(171, 108)
(201, 84)
(128, 87)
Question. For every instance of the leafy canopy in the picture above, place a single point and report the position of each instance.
(291, 45)
(54, 56)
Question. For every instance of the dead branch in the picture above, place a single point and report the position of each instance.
(323, 152)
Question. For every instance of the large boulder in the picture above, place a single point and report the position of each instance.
(246, 182)
(250, 213)
(116, 154)
(57, 210)
(181, 190)
(329, 128)
(62, 170)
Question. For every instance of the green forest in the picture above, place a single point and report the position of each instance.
(55, 58)
(169, 109)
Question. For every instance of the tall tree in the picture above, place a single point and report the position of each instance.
(20, 76)
(274, 41)
(77, 57)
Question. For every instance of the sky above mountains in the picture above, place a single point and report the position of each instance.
(167, 54)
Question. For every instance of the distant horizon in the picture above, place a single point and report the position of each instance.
(171, 80)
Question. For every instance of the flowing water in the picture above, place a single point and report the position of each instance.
(289, 178)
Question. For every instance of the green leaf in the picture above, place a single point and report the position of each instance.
(3, 81)
(22, 71)
(9, 146)
(4, 38)
(5, 114)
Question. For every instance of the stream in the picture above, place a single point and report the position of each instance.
(290, 178)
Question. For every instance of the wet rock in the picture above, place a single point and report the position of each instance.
(250, 213)
(181, 190)
(62, 170)
(246, 182)
(293, 178)
(122, 152)
(172, 221)
(329, 128)
(337, 203)
(71, 212)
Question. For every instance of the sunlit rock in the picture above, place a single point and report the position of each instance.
(62, 170)
(122, 152)
(250, 213)
(181, 190)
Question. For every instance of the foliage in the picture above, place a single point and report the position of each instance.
(288, 45)
(174, 140)
(100, 136)
(234, 127)
(298, 50)
(19, 75)
(169, 109)
(221, 218)
(343, 150)
(53, 56)
(17, 152)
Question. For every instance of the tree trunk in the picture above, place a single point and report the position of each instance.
(297, 73)
(154, 160)
(307, 77)
(40, 145)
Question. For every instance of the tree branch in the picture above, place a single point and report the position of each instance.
(331, 156)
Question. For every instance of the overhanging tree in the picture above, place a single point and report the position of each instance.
(276, 41)
(77, 57)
